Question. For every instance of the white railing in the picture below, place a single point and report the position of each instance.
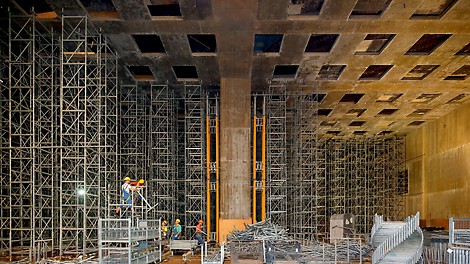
(398, 237)
(378, 220)
(459, 240)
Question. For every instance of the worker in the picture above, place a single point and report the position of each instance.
(138, 186)
(164, 229)
(198, 235)
(176, 230)
(126, 189)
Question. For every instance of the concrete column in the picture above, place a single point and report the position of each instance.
(235, 178)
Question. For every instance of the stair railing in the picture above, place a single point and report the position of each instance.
(412, 224)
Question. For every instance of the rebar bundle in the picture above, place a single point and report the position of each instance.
(264, 230)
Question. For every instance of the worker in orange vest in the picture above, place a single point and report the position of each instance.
(199, 232)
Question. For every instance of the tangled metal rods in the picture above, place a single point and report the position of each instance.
(264, 230)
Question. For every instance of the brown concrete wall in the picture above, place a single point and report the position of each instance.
(438, 160)
(235, 179)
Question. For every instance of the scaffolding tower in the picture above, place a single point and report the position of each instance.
(79, 136)
(5, 199)
(163, 167)
(195, 175)
(277, 184)
(109, 128)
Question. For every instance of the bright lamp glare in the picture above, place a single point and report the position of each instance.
(81, 192)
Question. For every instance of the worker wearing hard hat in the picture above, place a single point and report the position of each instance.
(137, 185)
(164, 229)
(176, 230)
(198, 235)
(126, 198)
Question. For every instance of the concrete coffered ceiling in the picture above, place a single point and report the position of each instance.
(385, 66)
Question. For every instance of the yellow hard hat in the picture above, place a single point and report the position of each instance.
(200, 221)
(141, 181)
(177, 221)
(165, 222)
(127, 179)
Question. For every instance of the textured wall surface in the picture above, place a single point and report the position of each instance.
(438, 159)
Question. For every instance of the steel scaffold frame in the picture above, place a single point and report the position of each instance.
(163, 171)
(133, 137)
(47, 86)
(109, 128)
(311, 203)
(337, 175)
(195, 189)
(21, 132)
(5, 199)
(79, 136)
(276, 186)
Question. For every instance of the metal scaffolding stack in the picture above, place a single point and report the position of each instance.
(21, 131)
(46, 108)
(4, 141)
(309, 195)
(110, 183)
(195, 175)
(134, 134)
(58, 126)
(163, 164)
(336, 166)
(79, 135)
(276, 186)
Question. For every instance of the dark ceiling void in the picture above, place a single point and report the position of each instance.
(100, 9)
(99, 5)
(458, 99)
(460, 74)
(359, 132)
(149, 43)
(416, 123)
(140, 72)
(375, 72)
(388, 111)
(165, 10)
(330, 72)
(374, 44)
(385, 132)
(433, 9)
(427, 44)
(324, 112)
(185, 72)
(202, 43)
(267, 43)
(419, 72)
(357, 123)
(333, 132)
(370, 7)
(285, 71)
(328, 123)
(305, 7)
(355, 112)
(425, 98)
(464, 51)
(351, 98)
(321, 42)
(39, 6)
(388, 98)
(419, 112)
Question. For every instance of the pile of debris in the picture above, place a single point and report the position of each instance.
(264, 230)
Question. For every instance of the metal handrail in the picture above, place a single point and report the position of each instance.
(412, 224)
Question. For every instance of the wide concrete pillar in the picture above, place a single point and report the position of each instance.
(235, 164)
